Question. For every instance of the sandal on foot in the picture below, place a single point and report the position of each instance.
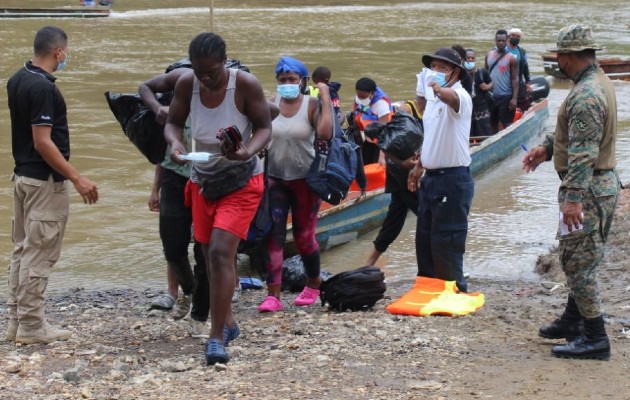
(165, 302)
(215, 352)
(230, 334)
(236, 295)
(307, 297)
(270, 304)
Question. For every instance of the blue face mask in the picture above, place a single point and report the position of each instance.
(62, 64)
(469, 65)
(289, 91)
(439, 78)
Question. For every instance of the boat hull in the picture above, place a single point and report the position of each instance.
(347, 221)
(500, 146)
(61, 12)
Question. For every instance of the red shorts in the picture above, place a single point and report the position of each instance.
(233, 212)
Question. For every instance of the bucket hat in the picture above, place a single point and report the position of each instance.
(447, 55)
(574, 38)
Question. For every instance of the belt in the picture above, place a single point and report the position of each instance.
(446, 171)
(596, 172)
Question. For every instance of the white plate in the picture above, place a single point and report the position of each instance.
(199, 156)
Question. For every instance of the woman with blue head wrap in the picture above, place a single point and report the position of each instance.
(291, 152)
(291, 65)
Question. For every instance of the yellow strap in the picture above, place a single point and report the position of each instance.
(414, 109)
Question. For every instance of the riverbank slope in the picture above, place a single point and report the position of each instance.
(121, 350)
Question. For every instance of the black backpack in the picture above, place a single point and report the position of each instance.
(358, 289)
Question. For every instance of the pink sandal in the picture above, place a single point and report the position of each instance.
(307, 297)
(270, 304)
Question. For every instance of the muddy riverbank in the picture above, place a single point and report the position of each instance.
(122, 350)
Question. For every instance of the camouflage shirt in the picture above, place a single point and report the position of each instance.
(586, 132)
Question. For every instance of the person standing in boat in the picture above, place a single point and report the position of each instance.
(323, 74)
(41, 179)
(167, 198)
(446, 189)
(524, 87)
(371, 104)
(467, 80)
(230, 120)
(480, 124)
(291, 152)
(503, 69)
(583, 151)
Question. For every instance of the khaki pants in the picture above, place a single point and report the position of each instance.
(40, 215)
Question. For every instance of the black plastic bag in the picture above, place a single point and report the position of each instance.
(401, 137)
(139, 124)
(294, 275)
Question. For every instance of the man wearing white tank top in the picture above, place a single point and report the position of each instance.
(217, 98)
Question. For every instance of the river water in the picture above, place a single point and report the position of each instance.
(115, 243)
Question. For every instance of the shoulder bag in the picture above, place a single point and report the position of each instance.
(227, 180)
(334, 167)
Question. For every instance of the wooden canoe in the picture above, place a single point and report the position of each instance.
(614, 67)
(497, 148)
(60, 12)
(357, 216)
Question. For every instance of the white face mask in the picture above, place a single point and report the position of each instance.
(362, 102)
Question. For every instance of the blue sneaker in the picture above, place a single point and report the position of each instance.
(230, 334)
(215, 352)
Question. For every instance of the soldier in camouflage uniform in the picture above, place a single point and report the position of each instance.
(583, 149)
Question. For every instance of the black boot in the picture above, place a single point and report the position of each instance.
(569, 326)
(593, 344)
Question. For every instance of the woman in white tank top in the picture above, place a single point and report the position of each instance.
(291, 152)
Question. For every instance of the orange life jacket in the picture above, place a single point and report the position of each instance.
(431, 296)
(375, 174)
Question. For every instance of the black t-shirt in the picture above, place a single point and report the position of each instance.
(479, 98)
(467, 82)
(34, 99)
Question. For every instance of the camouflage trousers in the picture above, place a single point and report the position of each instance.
(581, 251)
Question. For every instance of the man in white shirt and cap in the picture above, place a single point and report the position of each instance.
(446, 189)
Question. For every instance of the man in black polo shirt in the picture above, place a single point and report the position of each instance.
(41, 149)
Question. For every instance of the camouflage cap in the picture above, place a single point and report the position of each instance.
(575, 38)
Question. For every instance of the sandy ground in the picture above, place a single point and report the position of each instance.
(121, 350)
